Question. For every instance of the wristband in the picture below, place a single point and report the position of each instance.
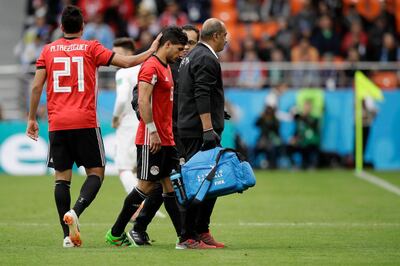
(209, 129)
(151, 127)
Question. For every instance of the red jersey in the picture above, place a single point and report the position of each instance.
(155, 72)
(71, 67)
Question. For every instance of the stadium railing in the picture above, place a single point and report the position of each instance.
(15, 80)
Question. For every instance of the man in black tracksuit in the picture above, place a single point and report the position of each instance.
(201, 115)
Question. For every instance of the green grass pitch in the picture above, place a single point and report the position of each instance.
(289, 218)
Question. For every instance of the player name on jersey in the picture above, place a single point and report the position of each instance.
(68, 48)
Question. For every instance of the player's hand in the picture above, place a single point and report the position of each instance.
(32, 130)
(156, 43)
(115, 122)
(155, 142)
(210, 140)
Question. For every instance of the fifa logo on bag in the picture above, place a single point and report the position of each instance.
(220, 175)
(219, 182)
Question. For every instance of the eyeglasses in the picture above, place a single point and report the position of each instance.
(191, 42)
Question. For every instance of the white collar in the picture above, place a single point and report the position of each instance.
(211, 49)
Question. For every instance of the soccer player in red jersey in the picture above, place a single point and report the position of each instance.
(157, 155)
(69, 67)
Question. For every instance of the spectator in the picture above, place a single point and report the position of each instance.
(91, 8)
(325, 39)
(390, 52)
(31, 51)
(172, 15)
(375, 37)
(304, 52)
(33, 40)
(144, 20)
(329, 76)
(96, 29)
(353, 57)
(355, 38)
(153, 6)
(145, 40)
(229, 76)
(117, 14)
(264, 47)
(351, 16)
(30, 11)
(323, 9)
(197, 10)
(306, 138)
(275, 9)
(269, 142)
(303, 22)
(251, 74)
(284, 37)
(275, 74)
(248, 10)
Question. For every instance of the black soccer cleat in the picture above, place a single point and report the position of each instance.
(138, 238)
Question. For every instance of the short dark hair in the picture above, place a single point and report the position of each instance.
(173, 34)
(190, 27)
(72, 19)
(126, 43)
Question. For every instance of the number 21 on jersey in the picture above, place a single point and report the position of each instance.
(66, 72)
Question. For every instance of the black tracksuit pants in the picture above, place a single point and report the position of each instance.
(197, 217)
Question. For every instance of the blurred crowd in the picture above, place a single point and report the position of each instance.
(273, 30)
(277, 31)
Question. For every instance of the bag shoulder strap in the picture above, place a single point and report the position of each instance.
(211, 174)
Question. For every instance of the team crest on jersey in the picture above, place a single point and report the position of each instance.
(154, 79)
(154, 170)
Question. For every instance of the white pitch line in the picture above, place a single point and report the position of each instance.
(378, 182)
(247, 224)
(314, 224)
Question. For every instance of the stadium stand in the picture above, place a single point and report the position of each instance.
(361, 41)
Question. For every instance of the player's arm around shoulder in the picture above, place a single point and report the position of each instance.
(32, 129)
(133, 60)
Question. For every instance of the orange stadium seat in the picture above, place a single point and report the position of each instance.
(227, 16)
(296, 6)
(369, 9)
(386, 80)
(236, 32)
(218, 6)
(259, 29)
(397, 13)
(391, 6)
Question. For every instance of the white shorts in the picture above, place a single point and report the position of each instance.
(125, 148)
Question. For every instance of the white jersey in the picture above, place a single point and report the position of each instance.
(126, 79)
